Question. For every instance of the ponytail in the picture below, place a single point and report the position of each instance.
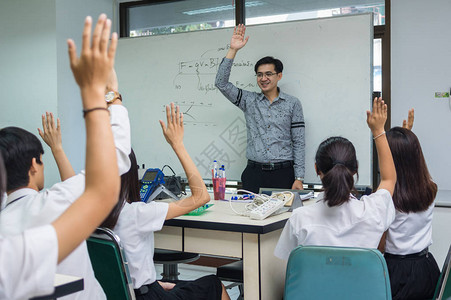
(336, 161)
(338, 184)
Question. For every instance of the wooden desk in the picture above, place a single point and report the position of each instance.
(64, 285)
(219, 231)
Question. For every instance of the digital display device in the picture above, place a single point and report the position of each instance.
(151, 179)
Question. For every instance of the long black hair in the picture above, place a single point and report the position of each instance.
(337, 161)
(2, 180)
(414, 190)
(129, 192)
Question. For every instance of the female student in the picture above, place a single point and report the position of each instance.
(135, 222)
(338, 218)
(412, 268)
(28, 261)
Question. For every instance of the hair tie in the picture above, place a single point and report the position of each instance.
(338, 162)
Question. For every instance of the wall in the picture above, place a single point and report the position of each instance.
(70, 16)
(28, 72)
(35, 76)
(421, 65)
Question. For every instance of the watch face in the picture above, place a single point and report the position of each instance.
(110, 96)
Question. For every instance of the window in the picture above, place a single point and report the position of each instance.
(289, 10)
(143, 18)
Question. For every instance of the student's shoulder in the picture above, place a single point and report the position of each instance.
(307, 214)
(67, 190)
(381, 198)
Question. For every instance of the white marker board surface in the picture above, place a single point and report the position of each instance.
(327, 65)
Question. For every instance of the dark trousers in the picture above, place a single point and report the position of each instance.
(412, 277)
(253, 178)
(205, 288)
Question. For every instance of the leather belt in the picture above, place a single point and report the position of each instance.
(271, 166)
(413, 255)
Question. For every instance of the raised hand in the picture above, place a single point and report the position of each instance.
(238, 41)
(50, 133)
(173, 132)
(94, 66)
(409, 123)
(376, 119)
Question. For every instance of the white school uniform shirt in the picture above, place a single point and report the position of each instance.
(356, 223)
(410, 233)
(135, 227)
(28, 263)
(27, 208)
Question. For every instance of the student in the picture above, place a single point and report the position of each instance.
(274, 121)
(412, 268)
(26, 208)
(135, 222)
(28, 260)
(338, 218)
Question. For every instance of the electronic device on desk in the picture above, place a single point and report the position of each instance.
(272, 205)
(151, 179)
(264, 205)
(173, 183)
(299, 196)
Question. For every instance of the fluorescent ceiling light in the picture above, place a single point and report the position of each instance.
(220, 8)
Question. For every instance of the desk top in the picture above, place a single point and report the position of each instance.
(221, 217)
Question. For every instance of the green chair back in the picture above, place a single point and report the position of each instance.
(109, 264)
(320, 272)
(443, 289)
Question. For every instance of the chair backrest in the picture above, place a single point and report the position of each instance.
(443, 289)
(320, 272)
(109, 264)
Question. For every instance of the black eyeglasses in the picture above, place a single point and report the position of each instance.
(267, 74)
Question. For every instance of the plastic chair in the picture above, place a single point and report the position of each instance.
(232, 272)
(109, 264)
(170, 260)
(443, 289)
(321, 272)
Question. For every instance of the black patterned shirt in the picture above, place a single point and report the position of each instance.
(275, 131)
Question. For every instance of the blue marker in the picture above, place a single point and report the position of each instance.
(215, 169)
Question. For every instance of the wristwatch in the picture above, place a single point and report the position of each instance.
(299, 178)
(111, 96)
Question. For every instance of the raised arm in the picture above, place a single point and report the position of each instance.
(408, 124)
(173, 133)
(51, 135)
(234, 94)
(238, 41)
(376, 121)
(91, 71)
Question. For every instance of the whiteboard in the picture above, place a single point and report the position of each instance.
(327, 65)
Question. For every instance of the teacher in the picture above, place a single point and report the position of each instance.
(274, 121)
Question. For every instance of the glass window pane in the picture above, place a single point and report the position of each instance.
(180, 16)
(270, 11)
(377, 65)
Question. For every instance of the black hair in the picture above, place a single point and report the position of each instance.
(2, 180)
(336, 160)
(278, 66)
(130, 187)
(18, 148)
(414, 190)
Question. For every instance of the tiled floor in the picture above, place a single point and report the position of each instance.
(191, 272)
